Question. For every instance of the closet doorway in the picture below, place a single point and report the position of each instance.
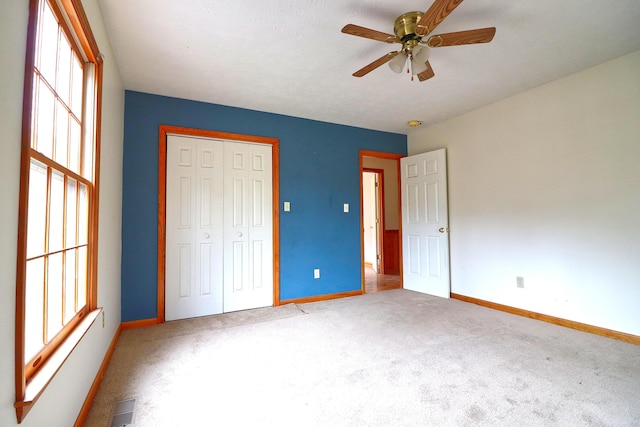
(217, 225)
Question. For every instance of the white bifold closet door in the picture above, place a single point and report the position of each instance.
(248, 226)
(219, 233)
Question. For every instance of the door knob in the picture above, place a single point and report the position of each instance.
(239, 234)
(442, 229)
(207, 235)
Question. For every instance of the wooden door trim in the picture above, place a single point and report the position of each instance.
(165, 130)
(380, 208)
(388, 156)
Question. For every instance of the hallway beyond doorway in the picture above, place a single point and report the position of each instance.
(379, 282)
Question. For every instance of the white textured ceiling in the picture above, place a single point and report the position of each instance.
(289, 57)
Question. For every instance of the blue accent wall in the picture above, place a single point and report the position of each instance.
(319, 172)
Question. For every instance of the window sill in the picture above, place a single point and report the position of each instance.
(50, 368)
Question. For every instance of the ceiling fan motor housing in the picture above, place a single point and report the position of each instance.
(405, 27)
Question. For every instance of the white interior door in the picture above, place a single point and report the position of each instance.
(425, 232)
(248, 237)
(193, 266)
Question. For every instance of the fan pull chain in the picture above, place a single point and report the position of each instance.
(410, 60)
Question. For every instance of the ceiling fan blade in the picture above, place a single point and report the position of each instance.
(426, 74)
(375, 64)
(482, 35)
(356, 30)
(438, 11)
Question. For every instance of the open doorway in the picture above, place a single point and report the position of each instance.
(373, 217)
(381, 221)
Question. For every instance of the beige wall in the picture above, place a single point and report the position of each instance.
(62, 400)
(546, 185)
(390, 168)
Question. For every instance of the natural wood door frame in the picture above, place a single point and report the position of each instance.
(388, 156)
(379, 214)
(162, 200)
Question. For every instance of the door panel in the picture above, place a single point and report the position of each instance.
(248, 240)
(433, 257)
(432, 203)
(258, 204)
(258, 262)
(238, 270)
(413, 255)
(425, 223)
(193, 275)
(184, 273)
(185, 202)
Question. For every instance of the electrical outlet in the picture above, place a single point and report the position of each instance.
(316, 273)
(520, 281)
(346, 207)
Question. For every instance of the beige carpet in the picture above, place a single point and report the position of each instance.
(393, 358)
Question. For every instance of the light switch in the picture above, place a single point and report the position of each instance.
(346, 207)
(287, 206)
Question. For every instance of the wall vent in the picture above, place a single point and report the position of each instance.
(123, 413)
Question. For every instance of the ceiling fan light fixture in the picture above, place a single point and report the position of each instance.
(397, 63)
(421, 53)
(418, 67)
(419, 58)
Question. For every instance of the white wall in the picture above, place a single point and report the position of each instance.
(546, 185)
(61, 402)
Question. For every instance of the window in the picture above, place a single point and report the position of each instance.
(57, 235)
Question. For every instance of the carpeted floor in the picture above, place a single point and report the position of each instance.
(394, 358)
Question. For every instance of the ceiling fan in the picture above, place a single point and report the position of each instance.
(412, 30)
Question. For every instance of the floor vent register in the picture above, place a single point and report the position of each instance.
(123, 413)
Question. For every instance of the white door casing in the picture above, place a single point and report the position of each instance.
(425, 232)
(219, 235)
(193, 275)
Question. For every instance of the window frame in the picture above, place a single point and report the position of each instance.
(31, 382)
